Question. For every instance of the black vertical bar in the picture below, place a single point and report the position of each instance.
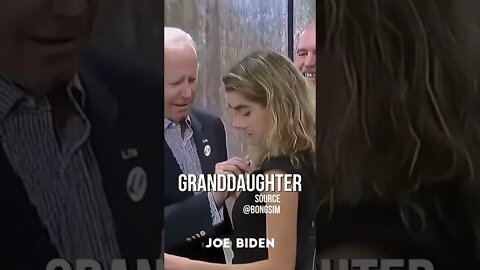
(290, 30)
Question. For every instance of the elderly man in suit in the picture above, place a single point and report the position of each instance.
(79, 174)
(195, 143)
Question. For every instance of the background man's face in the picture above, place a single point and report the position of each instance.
(40, 40)
(306, 54)
(180, 71)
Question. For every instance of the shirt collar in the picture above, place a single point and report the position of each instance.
(167, 123)
(76, 91)
(11, 94)
(188, 121)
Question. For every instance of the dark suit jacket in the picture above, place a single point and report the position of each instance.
(188, 217)
(124, 107)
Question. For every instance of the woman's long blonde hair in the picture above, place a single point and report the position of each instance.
(270, 79)
(398, 115)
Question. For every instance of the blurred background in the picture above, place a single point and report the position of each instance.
(224, 30)
(233, 28)
(227, 30)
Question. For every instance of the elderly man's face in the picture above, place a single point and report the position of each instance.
(40, 40)
(306, 54)
(180, 73)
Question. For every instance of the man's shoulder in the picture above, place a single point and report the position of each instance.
(127, 80)
(204, 117)
(132, 92)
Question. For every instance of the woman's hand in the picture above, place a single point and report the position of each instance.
(234, 166)
(176, 263)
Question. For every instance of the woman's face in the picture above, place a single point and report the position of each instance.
(251, 119)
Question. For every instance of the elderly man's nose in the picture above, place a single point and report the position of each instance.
(311, 59)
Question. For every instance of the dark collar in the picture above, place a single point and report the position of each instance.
(196, 124)
(101, 104)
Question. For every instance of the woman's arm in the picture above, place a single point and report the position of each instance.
(281, 227)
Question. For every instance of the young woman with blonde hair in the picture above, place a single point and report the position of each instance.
(272, 106)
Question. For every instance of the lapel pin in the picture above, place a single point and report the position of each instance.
(207, 150)
(137, 184)
(129, 153)
(204, 140)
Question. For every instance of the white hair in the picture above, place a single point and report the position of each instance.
(302, 30)
(176, 37)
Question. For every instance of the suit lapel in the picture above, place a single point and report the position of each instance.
(124, 139)
(102, 109)
(200, 142)
(172, 164)
(171, 172)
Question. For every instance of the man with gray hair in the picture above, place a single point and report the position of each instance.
(195, 143)
(306, 52)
